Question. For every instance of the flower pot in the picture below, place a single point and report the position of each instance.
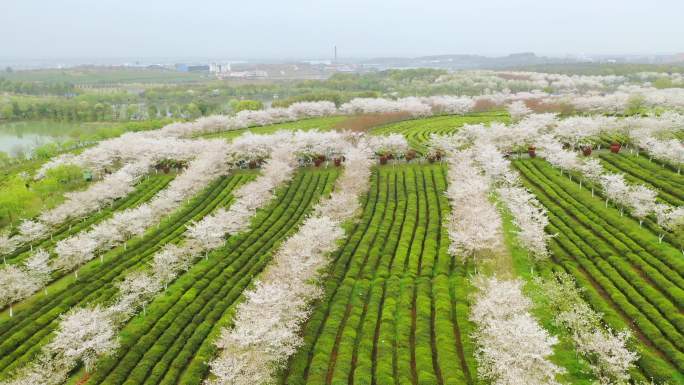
(318, 161)
(586, 150)
(615, 147)
(410, 155)
(532, 151)
(252, 164)
(338, 161)
(383, 159)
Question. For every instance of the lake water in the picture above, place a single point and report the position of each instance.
(16, 137)
(13, 144)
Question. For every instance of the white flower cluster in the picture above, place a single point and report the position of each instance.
(261, 342)
(669, 151)
(114, 186)
(413, 106)
(19, 282)
(512, 348)
(518, 110)
(83, 335)
(639, 199)
(475, 225)
(606, 351)
(393, 144)
(447, 104)
(138, 158)
(80, 248)
(245, 119)
(483, 81)
(127, 148)
(209, 232)
(530, 218)
(476, 166)
(98, 325)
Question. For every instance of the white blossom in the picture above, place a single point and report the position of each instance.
(512, 348)
(84, 335)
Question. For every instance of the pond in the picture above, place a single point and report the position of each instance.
(20, 138)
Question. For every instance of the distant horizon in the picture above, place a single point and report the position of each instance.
(349, 56)
(28, 63)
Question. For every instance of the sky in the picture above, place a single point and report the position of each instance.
(360, 28)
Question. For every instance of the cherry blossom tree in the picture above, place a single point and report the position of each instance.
(530, 218)
(134, 291)
(475, 225)
(512, 348)
(15, 284)
(84, 335)
(7, 245)
(73, 252)
(18, 282)
(607, 351)
(169, 262)
(394, 144)
(259, 343)
(446, 104)
(518, 110)
(38, 267)
(30, 230)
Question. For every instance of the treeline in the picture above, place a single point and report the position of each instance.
(620, 69)
(61, 101)
(15, 108)
(37, 88)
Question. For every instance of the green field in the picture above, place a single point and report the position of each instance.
(628, 275)
(103, 76)
(418, 131)
(322, 124)
(395, 305)
(395, 309)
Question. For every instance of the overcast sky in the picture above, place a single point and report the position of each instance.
(300, 28)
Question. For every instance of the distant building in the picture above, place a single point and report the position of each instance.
(198, 68)
(182, 67)
(216, 68)
(253, 74)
